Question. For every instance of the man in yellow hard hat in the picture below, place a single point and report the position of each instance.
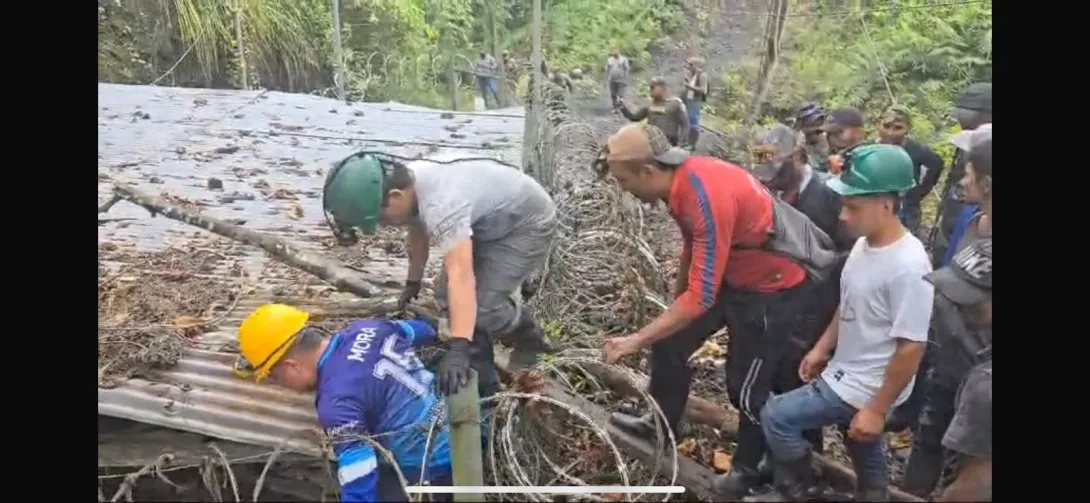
(368, 383)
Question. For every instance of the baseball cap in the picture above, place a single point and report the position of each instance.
(640, 141)
(976, 97)
(967, 280)
(779, 141)
(843, 118)
(966, 140)
(809, 112)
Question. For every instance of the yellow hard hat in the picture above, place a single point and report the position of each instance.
(265, 336)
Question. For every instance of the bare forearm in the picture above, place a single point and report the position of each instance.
(462, 295)
(900, 370)
(665, 325)
(827, 342)
(418, 252)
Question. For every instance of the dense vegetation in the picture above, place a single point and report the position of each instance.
(843, 57)
(394, 49)
(400, 50)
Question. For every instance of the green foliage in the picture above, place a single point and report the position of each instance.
(394, 49)
(928, 57)
(580, 34)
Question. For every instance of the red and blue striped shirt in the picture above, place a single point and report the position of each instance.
(719, 206)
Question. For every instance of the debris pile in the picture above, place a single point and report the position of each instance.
(152, 304)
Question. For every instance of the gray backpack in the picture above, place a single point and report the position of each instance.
(796, 237)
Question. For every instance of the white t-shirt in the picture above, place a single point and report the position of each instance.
(883, 297)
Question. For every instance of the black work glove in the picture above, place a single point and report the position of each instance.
(454, 369)
(411, 290)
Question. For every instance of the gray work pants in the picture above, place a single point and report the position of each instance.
(500, 267)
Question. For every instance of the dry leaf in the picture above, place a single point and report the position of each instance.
(686, 447)
(187, 322)
(612, 497)
(295, 211)
(709, 351)
(901, 440)
(721, 461)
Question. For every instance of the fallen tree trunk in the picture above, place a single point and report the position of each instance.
(331, 271)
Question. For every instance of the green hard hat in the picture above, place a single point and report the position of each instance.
(874, 169)
(353, 193)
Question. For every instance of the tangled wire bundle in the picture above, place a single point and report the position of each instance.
(601, 274)
(139, 303)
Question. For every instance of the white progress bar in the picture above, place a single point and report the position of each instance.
(544, 489)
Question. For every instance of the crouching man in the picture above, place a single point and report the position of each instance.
(493, 226)
(369, 384)
(879, 333)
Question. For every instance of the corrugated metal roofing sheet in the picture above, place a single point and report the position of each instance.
(201, 394)
(173, 140)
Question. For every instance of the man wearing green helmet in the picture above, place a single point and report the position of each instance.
(491, 223)
(879, 333)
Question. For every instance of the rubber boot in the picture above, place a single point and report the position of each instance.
(639, 426)
(528, 343)
(797, 480)
(737, 483)
(766, 470)
(694, 135)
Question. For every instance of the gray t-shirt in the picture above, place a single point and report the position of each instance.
(883, 297)
(478, 198)
(617, 69)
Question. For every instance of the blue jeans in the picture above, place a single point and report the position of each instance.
(693, 108)
(812, 406)
(489, 87)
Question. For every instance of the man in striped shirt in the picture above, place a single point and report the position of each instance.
(727, 219)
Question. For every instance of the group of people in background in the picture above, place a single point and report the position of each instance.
(838, 315)
(677, 117)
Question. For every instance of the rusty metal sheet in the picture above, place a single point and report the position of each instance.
(173, 140)
(164, 139)
(201, 394)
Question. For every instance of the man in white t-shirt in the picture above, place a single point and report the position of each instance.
(879, 333)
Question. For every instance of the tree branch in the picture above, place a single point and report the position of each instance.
(331, 271)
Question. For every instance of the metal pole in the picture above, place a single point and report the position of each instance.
(338, 50)
(467, 461)
(241, 48)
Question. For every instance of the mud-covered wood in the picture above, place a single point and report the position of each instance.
(331, 271)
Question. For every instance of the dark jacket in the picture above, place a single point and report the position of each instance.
(922, 156)
(822, 205)
(667, 115)
(951, 203)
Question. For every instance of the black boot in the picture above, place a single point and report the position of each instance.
(737, 483)
(766, 470)
(797, 480)
(694, 135)
(527, 341)
(640, 426)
